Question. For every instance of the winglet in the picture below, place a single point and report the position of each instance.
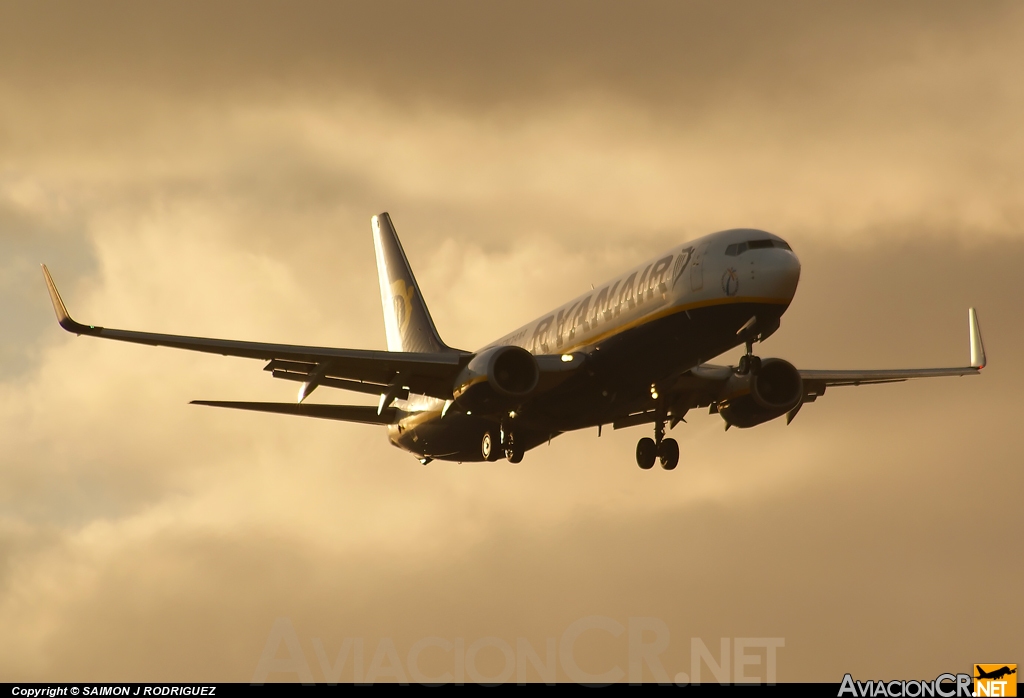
(63, 317)
(977, 347)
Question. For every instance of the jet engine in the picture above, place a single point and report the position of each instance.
(496, 379)
(754, 398)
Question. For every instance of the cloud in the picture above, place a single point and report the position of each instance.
(682, 54)
(172, 536)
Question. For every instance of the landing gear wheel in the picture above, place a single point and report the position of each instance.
(749, 364)
(668, 454)
(489, 448)
(646, 453)
(513, 454)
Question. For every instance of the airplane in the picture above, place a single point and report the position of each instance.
(995, 674)
(629, 352)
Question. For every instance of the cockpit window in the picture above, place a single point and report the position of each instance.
(738, 248)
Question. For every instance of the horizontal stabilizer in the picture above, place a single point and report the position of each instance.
(343, 413)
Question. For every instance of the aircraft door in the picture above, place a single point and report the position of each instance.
(697, 268)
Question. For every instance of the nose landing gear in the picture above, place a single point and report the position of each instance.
(748, 362)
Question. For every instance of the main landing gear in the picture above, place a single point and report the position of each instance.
(666, 451)
(490, 447)
(496, 443)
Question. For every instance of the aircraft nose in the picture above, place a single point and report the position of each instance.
(780, 273)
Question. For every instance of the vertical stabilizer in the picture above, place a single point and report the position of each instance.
(406, 318)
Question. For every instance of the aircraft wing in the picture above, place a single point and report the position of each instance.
(821, 379)
(365, 370)
(709, 375)
(703, 385)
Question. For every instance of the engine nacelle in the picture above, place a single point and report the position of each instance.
(496, 379)
(752, 399)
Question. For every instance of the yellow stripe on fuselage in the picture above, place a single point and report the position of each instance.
(418, 417)
(663, 313)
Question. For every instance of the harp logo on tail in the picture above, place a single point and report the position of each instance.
(401, 296)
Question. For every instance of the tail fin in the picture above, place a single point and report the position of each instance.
(406, 318)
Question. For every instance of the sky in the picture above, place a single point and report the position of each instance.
(211, 168)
